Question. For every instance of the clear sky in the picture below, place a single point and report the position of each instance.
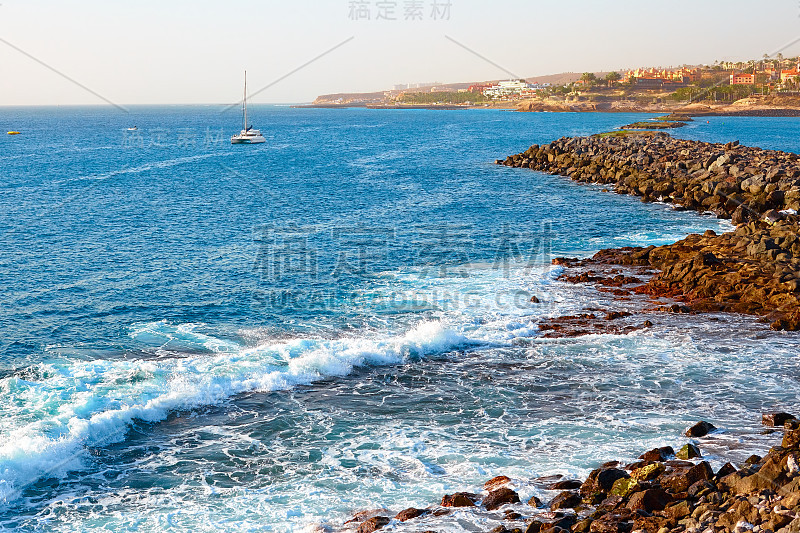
(194, 51)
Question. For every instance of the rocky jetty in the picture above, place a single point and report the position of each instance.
(663, 492)
(730, 180)
(654, 125)
(754, 269)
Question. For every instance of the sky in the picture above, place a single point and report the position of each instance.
(194, 51)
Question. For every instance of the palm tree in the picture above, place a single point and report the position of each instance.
(588, 78)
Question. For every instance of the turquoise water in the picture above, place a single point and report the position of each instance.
(212, 337)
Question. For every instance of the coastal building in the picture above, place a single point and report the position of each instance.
(478, 88)
(682, 75)
(743, 79)
(508, 89)
(789, 75)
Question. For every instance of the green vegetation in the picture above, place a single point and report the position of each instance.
(722, 93)
(443, 98)
(613, 76)
(588, 78)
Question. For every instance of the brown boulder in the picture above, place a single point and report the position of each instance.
(701, 429)
(500, 497)
(649, 500)
(611, 524)
(373, 524)
(496, 482)
(725, 470)
(791, 439)
(410, 513)
(679, 510)
(459, 499)
(679, 479)
(565, 500)
(658, 454)
(776, 420)
(601, 480)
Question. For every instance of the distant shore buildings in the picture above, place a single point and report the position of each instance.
(509, 89)
(743, 79)
(657, 78)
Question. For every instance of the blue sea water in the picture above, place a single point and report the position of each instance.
(200, 336)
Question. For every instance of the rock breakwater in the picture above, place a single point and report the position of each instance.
(754, 269)
(730, 180)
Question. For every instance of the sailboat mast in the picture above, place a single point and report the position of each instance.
(245, 101)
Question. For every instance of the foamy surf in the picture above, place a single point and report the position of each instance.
(49, 423)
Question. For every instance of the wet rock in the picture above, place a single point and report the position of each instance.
(775, 420)
(410, 513)
(701, 429)
(791, 436)
(565, 500)
(460, 499)
(534, 502)
(497, 482)
(564, 523)
(373, 524)
(368, 513)
(568, 484)
(658, 454)
(602, 480)
(498, 498)
(534, 527)
(688, 451)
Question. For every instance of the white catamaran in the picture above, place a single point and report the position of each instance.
(248, 134)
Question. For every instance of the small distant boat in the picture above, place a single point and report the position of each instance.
(248, 135)
(13, 133)
(133, 128)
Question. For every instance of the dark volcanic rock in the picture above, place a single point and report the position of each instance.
(701, 429)
(565, 500)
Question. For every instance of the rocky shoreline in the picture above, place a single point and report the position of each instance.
(663, 492)
(754, 269)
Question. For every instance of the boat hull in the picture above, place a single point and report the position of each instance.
(248, 140)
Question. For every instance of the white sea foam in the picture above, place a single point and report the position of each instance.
(48, 423)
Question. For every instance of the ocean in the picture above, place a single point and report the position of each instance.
(207, 337)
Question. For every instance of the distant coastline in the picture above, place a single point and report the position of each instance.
(751, 107)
